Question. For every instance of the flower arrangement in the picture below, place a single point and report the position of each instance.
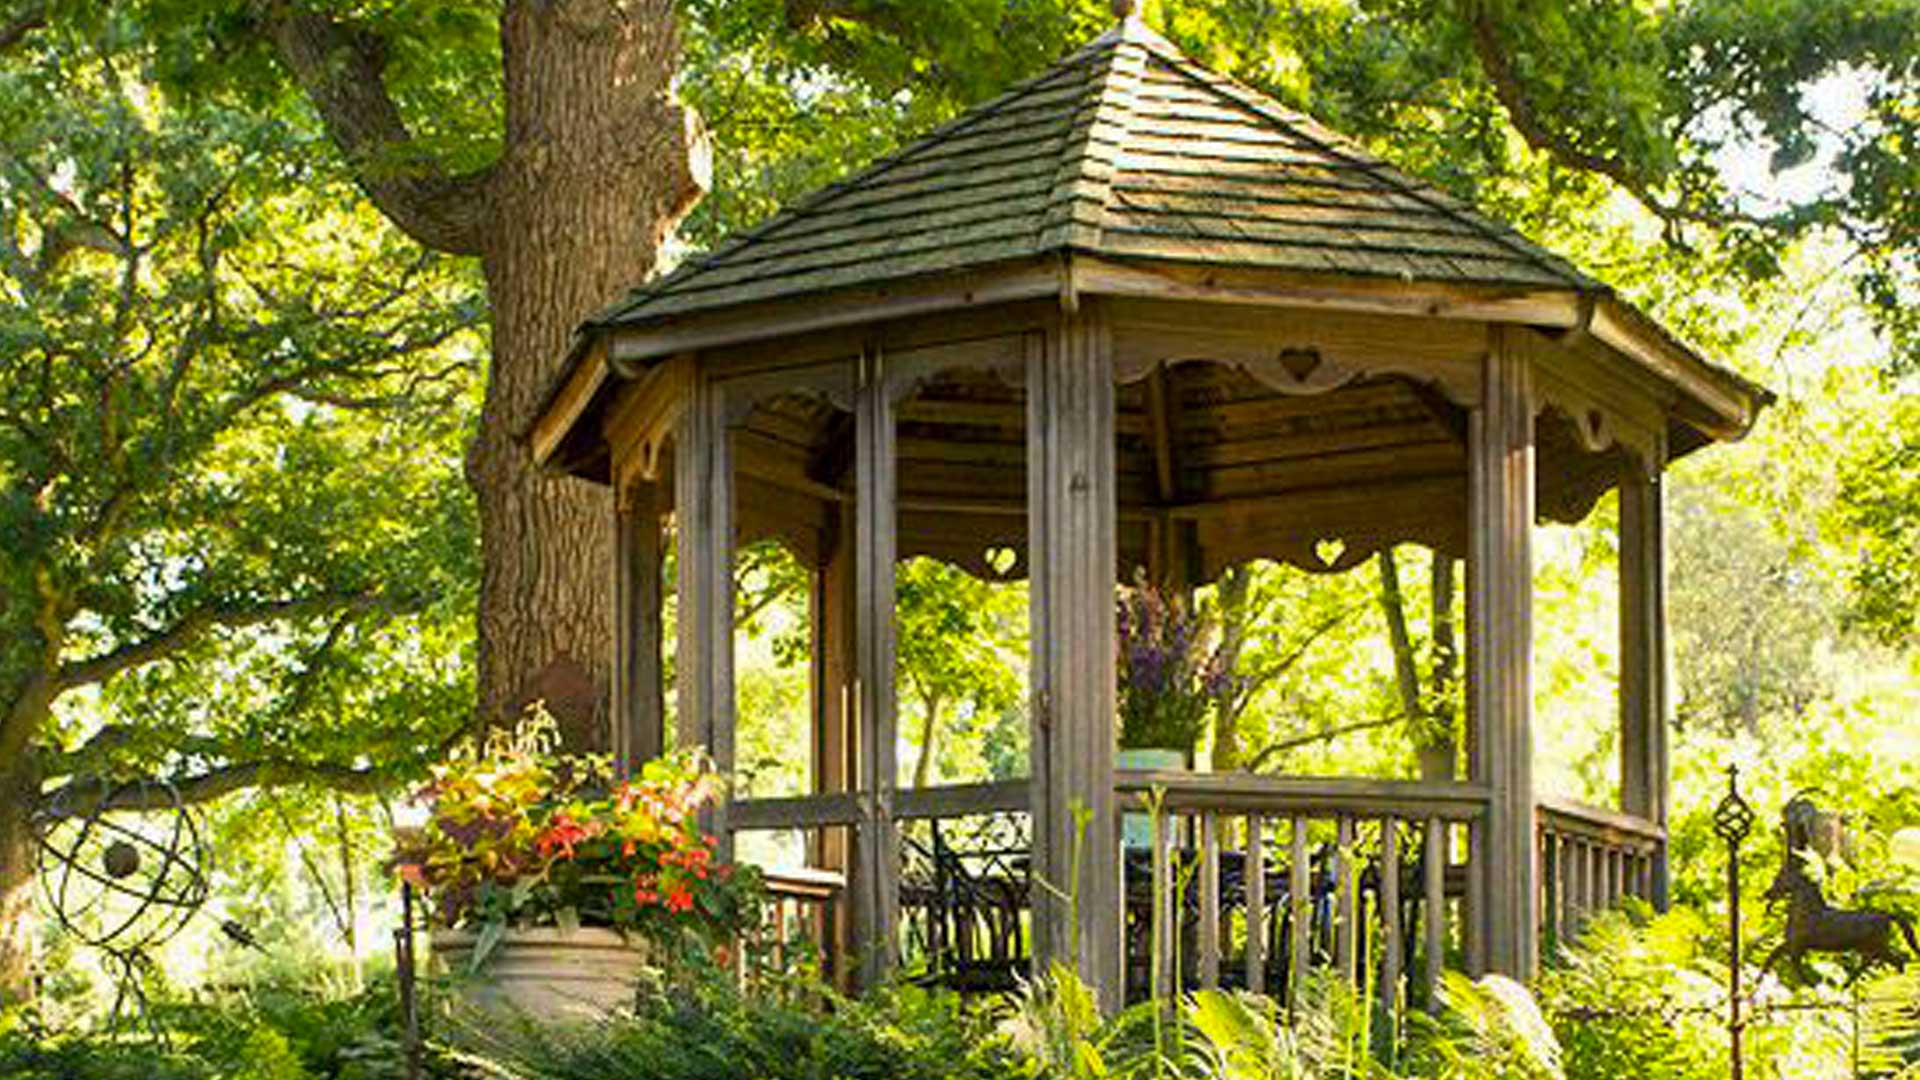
(1171, 670)
(519, 835)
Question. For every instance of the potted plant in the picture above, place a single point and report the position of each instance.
(554, 884)
(1171, 674)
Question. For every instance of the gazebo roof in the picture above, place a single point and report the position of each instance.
(1127, 149)
(1128, 170)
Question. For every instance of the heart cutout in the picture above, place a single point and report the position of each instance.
(1300, 363)
(1329, 551)
(1000, 560)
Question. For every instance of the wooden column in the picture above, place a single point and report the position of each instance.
(1643, 657)
(703, 498)
(877, 896)
(835, 756)
(639, 711)
(1499, 661)
(1072, 515)
(835, 749)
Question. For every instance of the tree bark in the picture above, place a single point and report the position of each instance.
(599, 164)
(19, 793)
(929, 731)
(1235, 586)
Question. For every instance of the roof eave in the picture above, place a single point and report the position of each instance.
(1714, 400)
(1725, 405)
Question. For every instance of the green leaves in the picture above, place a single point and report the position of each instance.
(232, 409)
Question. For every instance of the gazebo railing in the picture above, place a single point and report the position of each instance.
(1590, 860)
(1241, 880)
(1252, 880)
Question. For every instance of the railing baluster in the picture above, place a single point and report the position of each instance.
(1256, 885)
(1208, 958)
(1581, 891)
(1299, 912)
(1555, 915)
(1390, 915)
(1596, 879)
(1476, 944)
(1433, 859)
(1346, 917)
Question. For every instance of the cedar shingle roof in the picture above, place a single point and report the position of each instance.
(1126, 149)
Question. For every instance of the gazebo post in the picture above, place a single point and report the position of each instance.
(703, 499)
(638, 714)
(834, 746)
(1072, 512)
(1643, 656)
(1499, 661)
(877, 858)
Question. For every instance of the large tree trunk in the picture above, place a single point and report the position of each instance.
(597, 168)
(597, 165)
(19, 793)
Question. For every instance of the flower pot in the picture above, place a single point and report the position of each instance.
(1136, 830)
(544, 974)
(1436, 762)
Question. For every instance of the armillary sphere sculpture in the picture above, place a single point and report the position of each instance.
(122, 882)
(1814, 925)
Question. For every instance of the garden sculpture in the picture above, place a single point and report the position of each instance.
(119, 882)
(1813, 925)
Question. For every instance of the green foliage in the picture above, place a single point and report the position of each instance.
(1488, 1029)
(1644, 995)
(232, 404)
(296, 1029)
(1633, 998)
(1880, 499)
(962, 646)
(715, 1033)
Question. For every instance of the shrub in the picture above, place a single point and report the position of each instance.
(714, 1032)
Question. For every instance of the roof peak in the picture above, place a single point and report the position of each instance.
(1131, 27)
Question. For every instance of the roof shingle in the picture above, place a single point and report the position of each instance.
(1127, 149)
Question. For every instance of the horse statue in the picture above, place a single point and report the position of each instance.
(1813, 925)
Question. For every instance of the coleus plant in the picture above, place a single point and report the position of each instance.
(520, 835)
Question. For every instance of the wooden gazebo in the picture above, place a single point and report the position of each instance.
(1130, 315)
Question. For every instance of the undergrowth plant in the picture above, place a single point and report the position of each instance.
(1640, 994)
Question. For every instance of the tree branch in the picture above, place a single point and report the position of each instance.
(1512, 93)
(194, 626)
(215, 783)
(224, 780)
(1268, 751)
(341, 71)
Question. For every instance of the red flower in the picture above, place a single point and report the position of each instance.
(679, 900)
(561, 836)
